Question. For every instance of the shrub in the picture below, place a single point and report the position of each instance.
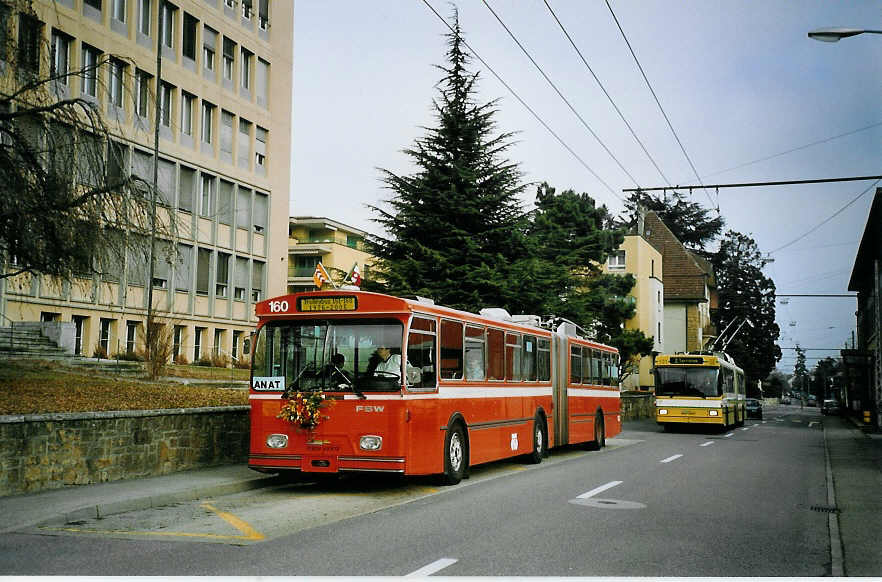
(99, 353)
(181, 360)
(242, 363)
(204, 361)
(220, 361)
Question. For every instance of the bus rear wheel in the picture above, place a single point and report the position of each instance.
(539, 442)
(599, 435)
(454, 456)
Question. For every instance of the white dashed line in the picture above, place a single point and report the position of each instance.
(707, 444)
(671, 458)
(435, 566)
(597, 490)
(731, 434)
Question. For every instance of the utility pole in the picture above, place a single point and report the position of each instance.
(157, 106)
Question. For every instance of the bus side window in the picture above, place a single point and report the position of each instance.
(544, 360)
(474, 353)
(586, 366)
(529, 359)
(451, 350)
(614, 369)
(595, 367)
(421, 351)
(575, 365)
(513, 357)
(605, 369)
(496, 352)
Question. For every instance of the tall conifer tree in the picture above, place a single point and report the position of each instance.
(455, 227)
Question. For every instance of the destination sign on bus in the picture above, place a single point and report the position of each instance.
(338, 303)
(687, 360)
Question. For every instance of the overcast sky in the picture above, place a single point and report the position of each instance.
(738, 79)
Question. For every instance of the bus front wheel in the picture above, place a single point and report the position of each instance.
(599, 435)
(454, 455)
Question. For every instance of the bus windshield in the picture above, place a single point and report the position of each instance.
(329, 355)
(686, 382)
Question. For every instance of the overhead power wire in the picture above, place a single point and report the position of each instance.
(796, 149)
(825, 221)
(527, 107)
(561, 95)
(662, 109)
(605, 92)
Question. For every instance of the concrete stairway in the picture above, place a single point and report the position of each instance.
(24, 340)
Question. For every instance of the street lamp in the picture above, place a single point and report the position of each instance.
(835, 34)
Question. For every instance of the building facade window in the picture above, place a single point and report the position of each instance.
(142, 88)
(91, 56)
(260, 138)
(144, 17)
(190, 25)
(187, 101)
(616, 261)
(117, 79)
(207, 121)
(60, 48)
(165, 103)
(118, 10)
(223, 275)
(245, 65)
(209, 40)
(29, 33)
(206, 204)
(168, 24)
(229, 58)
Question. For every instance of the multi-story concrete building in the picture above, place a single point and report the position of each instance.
(639, 258)
(316, 239)
(224, 159)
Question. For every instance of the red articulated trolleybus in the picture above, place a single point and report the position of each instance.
(357, 381)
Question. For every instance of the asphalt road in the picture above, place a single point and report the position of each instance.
(692, 503)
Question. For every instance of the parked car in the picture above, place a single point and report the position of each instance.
(812, 401)
(830, 406)
(754, 408)
(785, 400)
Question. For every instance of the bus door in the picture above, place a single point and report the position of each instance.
(559, 379)
(421, 416)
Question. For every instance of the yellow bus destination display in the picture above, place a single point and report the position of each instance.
(687, 360)
(339, 303)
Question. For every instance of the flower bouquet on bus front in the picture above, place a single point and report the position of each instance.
(304, 409)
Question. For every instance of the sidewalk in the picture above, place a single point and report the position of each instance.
(856, 462)
(90, 501)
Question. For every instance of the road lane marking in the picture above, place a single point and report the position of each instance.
(432, 568)
(671, 458)
(746, 428)
(707, 444)
(813, 423)
(731, 434)
(600, 489)
(248, 532)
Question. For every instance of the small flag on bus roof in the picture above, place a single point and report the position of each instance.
(320, 277)
(354, 275)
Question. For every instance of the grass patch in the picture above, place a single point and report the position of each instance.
(31, 387)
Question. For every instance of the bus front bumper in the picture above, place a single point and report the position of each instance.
(690, 416)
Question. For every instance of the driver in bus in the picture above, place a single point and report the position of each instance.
(334, 370)
(390, 364)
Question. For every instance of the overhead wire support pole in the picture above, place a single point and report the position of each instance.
(754, 184)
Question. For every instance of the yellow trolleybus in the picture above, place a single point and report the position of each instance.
(698, 389)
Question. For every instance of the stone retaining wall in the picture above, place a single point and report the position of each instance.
(637, 405)
(50, 451)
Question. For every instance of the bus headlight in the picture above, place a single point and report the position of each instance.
(714, 413)
(662, 411)
(370, 443)
(277, 441)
